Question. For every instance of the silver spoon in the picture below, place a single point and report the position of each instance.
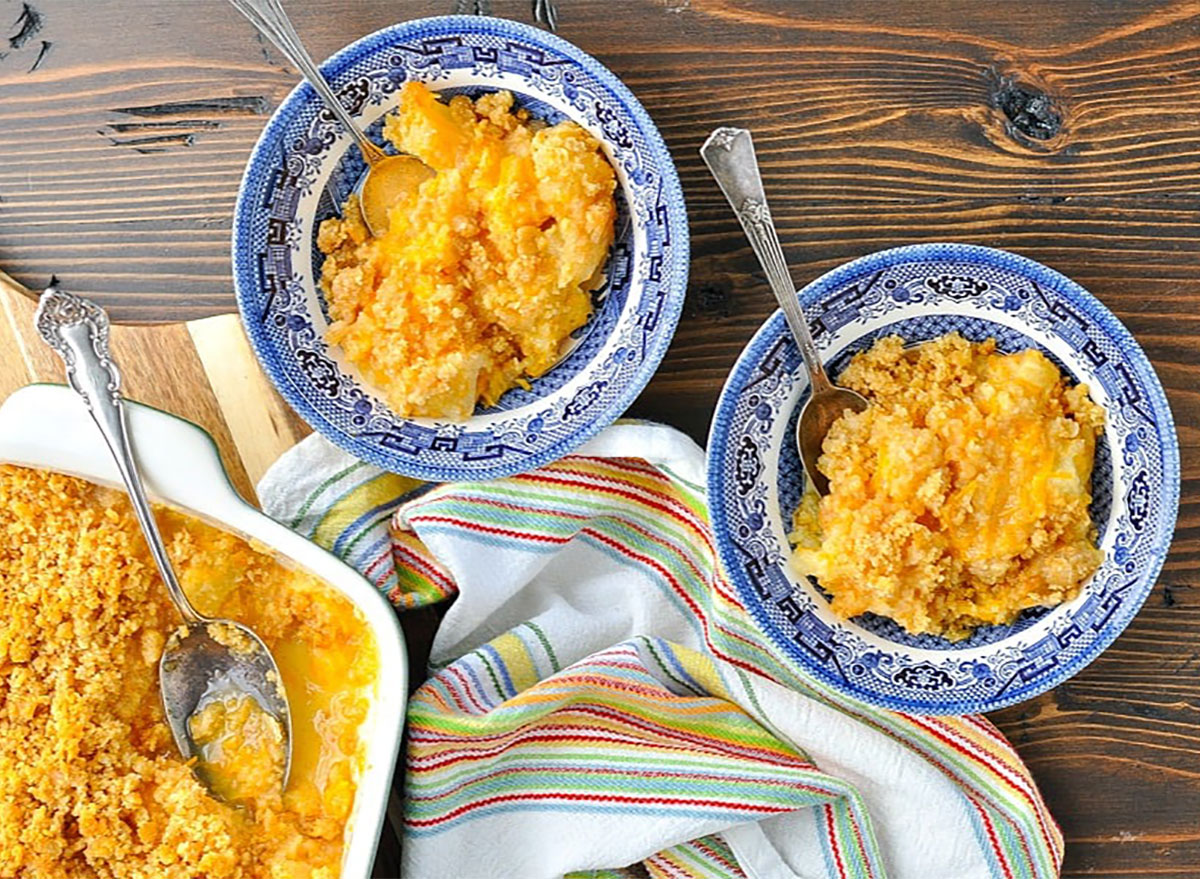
(544, 11)
(205, 659)
(729, 154)
(388, 178)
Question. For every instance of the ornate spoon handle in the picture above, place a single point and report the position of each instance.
(78, 330)
(729, 154)
(546, 13)
(273, 23)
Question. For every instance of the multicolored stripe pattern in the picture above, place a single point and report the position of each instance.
(647, 728)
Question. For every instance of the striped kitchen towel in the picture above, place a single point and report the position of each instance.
(601, 705)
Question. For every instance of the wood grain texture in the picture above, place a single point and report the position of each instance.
(1068, 132)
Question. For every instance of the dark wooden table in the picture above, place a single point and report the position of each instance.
(1069, 132)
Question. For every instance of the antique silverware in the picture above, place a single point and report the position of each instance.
(388, 177)
(544, 11)
(729, 154)
(204, 659)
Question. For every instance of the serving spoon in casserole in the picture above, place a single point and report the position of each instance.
(212, 672)
(729, 155)
(388, 177)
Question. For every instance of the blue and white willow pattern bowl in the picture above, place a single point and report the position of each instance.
(301, 171)
(921, 292)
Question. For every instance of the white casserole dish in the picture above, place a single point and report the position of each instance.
(48, 427)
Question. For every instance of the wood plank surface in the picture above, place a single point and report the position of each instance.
(1068, 132)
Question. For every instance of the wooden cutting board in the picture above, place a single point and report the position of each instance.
(202, 370)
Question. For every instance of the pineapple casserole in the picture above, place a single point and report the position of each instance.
(91, 783)
(960, 496)
(487, 265)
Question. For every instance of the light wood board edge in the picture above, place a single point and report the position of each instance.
(261, 424)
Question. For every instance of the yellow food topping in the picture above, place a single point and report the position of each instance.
(242, 751)
(960, 496)
(91, 783)
(486, 267)
(232, 637)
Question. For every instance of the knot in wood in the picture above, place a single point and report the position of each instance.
(710, 299)
(1030, 111)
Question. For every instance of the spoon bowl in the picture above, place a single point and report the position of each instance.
(825, 406)
(387, 182)
(207, 662)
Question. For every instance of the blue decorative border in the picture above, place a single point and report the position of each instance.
(933, 284)
(617, 352)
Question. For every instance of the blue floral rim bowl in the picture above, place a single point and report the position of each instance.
(304, 166)
(755, 476)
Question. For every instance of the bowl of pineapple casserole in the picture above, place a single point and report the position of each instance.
(528, 281)
(996, 515)
(92, 785)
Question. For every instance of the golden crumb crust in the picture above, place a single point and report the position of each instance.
(486, 267)
(960, 496)
(91, 785)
